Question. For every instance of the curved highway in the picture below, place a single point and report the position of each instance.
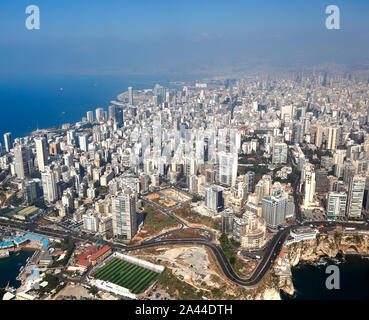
(262, 268)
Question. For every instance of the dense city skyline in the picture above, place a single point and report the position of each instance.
(198, 151)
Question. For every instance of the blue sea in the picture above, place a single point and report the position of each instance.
(9, 268)
(309, 279)
(28, 102)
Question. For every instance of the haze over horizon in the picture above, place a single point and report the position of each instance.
(173, 37)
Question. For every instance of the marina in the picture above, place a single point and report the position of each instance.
(19, 256)
(10, 267)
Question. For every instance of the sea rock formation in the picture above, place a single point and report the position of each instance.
(324, 245)
(328, 245)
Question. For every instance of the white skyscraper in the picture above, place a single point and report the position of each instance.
(227, 168)
(90, 222)
(130, 96)
(83, 142)
(49, 185)
(8, 141)
(336, 206)
(309, 184)
(274, 210)
(100, 114)
(90, 116)
(355, 196)
(71, 137)
(333, 138)
(68, 159)
(124, 215)
(22, 161)
(42, 152)
(280, 153)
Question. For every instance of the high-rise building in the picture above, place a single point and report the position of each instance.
(116, 114)
(298, 133)
(309, 184)
(227, 221)
(23, 161)
(41, 151)
(333, 139)
(239, 228)
(190, 166)
(227, 168)
(348, 171)
(267, 183)
(214, 198)
(30, 191)
(8, 143)
(287, 112)
(210, 176)
(339, 156)
(124, 215)
(83, 142)
(90, 222)
(366, 195)
(322, 182)
(100, 114)
(250, 180)
(336, 205)
(130, 96)
(280, 153)
(54, 148)
(144, 183)
(71, 137)
(259, 190)
(68, 159)
(255, 235)
(193, 184)
(49, 185)
(355, 196)
(317, 134)
(274, 210)
(90, 116)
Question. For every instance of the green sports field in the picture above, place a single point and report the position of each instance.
(126, 275)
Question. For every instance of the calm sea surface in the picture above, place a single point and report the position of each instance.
(28, 102)
(309, 279)
(9, 268)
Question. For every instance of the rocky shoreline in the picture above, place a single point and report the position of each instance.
(312, 251)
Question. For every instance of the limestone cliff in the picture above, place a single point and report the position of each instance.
(286, 284)
(324, 245)
(328, 245)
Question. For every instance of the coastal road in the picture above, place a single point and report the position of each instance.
(271, 252)
(264, 265)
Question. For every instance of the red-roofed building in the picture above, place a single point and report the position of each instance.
(91, 256)
(100, 255)
(83, 264)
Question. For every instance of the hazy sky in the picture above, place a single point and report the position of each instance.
(170, 36)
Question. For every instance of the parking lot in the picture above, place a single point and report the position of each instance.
(314, 215)
(158, 294)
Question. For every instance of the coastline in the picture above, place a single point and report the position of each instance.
(12, 267)
(312, 252)
(48, 108)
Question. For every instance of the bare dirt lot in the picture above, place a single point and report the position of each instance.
(153, 196)
(155, 223)
(197, 219)
(177, 195)
(77, 291)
